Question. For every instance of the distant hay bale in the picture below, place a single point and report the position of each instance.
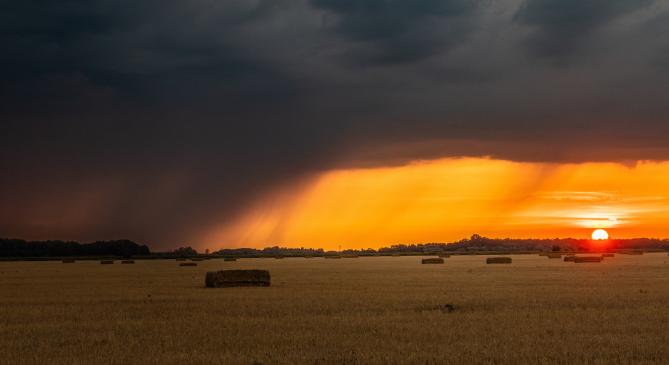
(569, 258)
(584, 259)
(608, 255)
(229, 259)
(332, 257)
(543, 253)
(188, 264)
(444, 255)
(498, 260)
(552, 255)
(432, 261)
(106, 262)
(68, 261)
(128, 261)
(235, 278)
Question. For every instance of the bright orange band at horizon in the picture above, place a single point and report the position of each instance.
(449, 199)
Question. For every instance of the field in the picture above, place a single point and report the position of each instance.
(375, 310)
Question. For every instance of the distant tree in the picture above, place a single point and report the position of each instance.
(185, 251)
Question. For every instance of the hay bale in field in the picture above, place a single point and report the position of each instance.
(554, 255)
(128, 262)
(498, 260)
(229, 259)
(432, 261)
(584, 259)
(569, 258)
(608, 255)
(68, 261)
(188, 264)
(233, 278)
(106, 262)
(444, 255)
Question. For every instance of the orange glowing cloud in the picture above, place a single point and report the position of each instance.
(445, 200)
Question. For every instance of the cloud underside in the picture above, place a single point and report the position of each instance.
(155, 119)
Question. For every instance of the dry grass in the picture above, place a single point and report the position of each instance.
(377, 310)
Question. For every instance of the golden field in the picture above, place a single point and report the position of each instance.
(368, 310)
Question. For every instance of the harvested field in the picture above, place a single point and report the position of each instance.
(498, 260)
(373, 310)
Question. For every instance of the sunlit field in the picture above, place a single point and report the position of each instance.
(374, 310)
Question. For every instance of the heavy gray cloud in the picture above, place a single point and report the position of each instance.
(155, 120)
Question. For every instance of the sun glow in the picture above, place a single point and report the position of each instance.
(449, 199)
(600, 235)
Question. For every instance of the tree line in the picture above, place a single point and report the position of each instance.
(23, 248)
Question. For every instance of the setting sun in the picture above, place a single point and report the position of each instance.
(600, 234)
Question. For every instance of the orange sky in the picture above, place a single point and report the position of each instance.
(449, 199)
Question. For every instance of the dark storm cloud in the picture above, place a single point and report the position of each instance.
(396, 31)
(158, 120)
(562, 26)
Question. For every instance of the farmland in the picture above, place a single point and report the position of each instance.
(369, 310)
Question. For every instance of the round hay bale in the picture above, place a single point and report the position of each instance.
(188, 264)
(126, 262)
(68, 261)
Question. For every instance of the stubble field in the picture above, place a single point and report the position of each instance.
(368, 310)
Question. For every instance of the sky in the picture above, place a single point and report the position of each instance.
(332, 122)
